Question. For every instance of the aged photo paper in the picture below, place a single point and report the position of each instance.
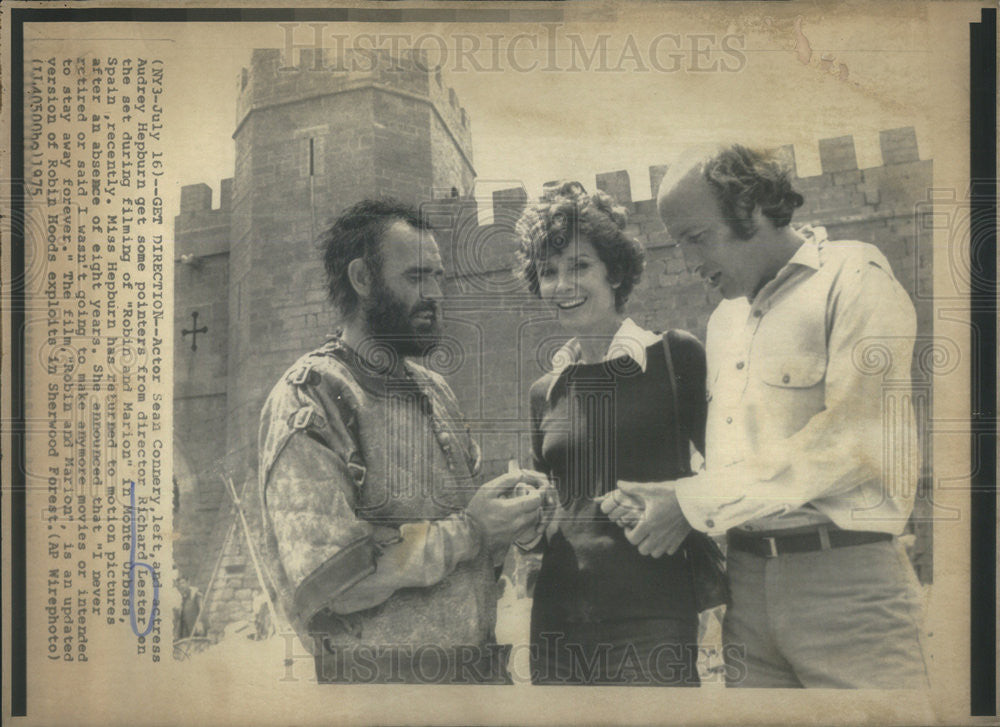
(169, 171)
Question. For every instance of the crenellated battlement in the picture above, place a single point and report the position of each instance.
(200, 229)
(272, 80)
(839, 186)
(197, 198)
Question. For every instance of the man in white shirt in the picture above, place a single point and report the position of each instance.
(811, 450)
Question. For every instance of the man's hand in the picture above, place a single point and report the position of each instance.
(661, 528)
(530, 535)
(621, 509)
(501, 517)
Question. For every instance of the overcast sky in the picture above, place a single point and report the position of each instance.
(611, 87)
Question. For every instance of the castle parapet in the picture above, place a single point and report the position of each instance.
(837, 155)
(200, 230)
(273, 79)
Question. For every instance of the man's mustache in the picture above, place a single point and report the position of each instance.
(428, 307)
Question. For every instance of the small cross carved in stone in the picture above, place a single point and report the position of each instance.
(194, 331)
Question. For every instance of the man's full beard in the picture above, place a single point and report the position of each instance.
(391, 322)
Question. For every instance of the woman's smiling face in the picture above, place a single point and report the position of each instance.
(575, 281)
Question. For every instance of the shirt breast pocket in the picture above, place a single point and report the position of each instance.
(792, 371)
(791, 390)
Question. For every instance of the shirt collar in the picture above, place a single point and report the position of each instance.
(808, 252)
(807, 256)
(631, 340)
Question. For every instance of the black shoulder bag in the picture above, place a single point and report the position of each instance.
(708, 571)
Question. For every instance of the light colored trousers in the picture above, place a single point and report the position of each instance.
(843, 618)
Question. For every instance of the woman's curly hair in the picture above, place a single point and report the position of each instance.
(567, 212)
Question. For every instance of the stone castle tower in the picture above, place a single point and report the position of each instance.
(311, 142)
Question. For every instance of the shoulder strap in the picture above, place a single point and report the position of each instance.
(346, 401)
(683, 452)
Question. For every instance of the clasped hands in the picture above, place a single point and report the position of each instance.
(650, 515)
(514, 507)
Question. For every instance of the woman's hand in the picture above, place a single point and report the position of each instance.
(660, 527)
(623, 510)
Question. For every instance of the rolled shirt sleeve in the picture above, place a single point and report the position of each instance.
(856, 459)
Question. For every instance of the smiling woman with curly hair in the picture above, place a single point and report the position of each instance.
(549, 227)
(621, 403)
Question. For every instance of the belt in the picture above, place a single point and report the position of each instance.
(824, 538)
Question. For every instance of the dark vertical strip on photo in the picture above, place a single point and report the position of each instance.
(983, 262)
(18, 513)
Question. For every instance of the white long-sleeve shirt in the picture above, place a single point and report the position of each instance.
(810, 417)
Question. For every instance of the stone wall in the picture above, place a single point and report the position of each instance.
(201, 301)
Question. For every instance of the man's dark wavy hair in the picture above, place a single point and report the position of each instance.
(742, 179)
(357, 233)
